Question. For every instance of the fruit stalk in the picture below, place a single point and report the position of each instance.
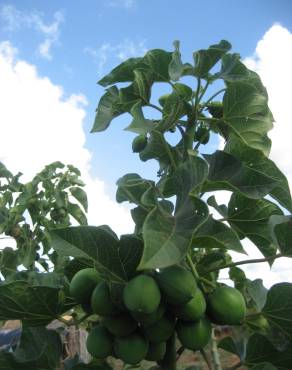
(169, 360)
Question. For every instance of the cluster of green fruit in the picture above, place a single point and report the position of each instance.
(154, 308)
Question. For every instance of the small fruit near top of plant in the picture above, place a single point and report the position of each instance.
(83, 283)
(141, 294)
(177, 284)
(202, 135)
(139, 143)
(226, 306)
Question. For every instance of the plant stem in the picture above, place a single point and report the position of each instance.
(245, 262)
(155, 107)
(212, 97)
(169, 360)
(180, 352)
(196, 275)
(203, 353)
(215, 353)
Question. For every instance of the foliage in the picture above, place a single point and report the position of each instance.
(178, 220)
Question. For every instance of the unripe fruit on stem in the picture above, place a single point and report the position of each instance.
(156, 351)
(141, 294)
(132, 348)
(83, 283)
(161, 330)
(120, 325)
(99, 342)
(101, 302)
(150, 318)
(139, 143)
(192, 310)
(226, 306)
(194, 335)
(177, 284)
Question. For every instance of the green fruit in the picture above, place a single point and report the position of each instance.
(202, 135)
(156, 351)
(163, 98)
(99, 342)
(226, 306)
(161, 330)
(177, 284)
(151, 318)
(131, 349)
(139, 143)
(83, 283)
(141, 294)
(193, 310)
(101, 301)
(120, 325)
(194, 335)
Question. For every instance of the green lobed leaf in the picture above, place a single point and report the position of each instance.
(250, 217)
(124, 72)
(175, 67)
(278, 308)
(139, 124)
(247, 114)
(79, 194)
(221, 209)
(257, 292)
(228, 173)
(232, 69)
(8, 261)
(281, 230)
(75, 211)
(255, 159)
(130, 253)
(215, 234)
(35, 305)
(107, 109)
(158, 61)
(260, 350)
(167, 237)
(205, 59)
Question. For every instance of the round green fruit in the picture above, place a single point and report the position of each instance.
(139, 143)
(177, 285)
(156, 351)
(99, 342)
(131, 349)
(202, 135)
(83, 283)
(141, 294)
(161, 330)
(151, 318)
(162, 99)
(101, 301)
(194, 335)
(226, 306)
(120, 325)
(192, 310)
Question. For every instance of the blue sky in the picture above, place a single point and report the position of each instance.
(52, 53)
(76, 56)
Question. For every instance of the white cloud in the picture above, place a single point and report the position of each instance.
(128, 4)
(39, 125)
(122, 51)
(14, 20)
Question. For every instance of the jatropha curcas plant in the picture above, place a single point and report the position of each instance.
(157, 291)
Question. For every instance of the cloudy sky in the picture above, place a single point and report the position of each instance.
(52, 53)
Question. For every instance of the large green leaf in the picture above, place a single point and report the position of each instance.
(38, 342)
(281, 230)
(278, 308)
(139, 124)
(255, 159)
(228, 173)
(8, 261)
(113, 260)
(257, 292)
(260, 350)
(167, 237)
(107, 110)
(250, 217)
(124, 72)
(131, 188)
(215, 234)
(35, 305)
(158, 61)
(79, 194)
(205, 59)
(232, 69)
(247, 114)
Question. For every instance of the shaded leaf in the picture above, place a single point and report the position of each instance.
(175, 68)
(281, 230)
(139, 124)
(232, 69)
(81, 196)
(257, 292)
(75, 211)
(158, 61)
